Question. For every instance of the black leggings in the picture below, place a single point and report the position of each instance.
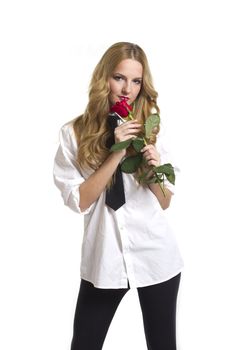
(96, 307)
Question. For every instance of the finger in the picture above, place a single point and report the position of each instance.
(150, 153)
(127, 128)
(147, 147)
(153, 162)
(132, 131)
(149, 157)
(152, 157)
(127, 132)
(131, 125)
(125, 137)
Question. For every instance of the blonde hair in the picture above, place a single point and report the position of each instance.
(91, 128)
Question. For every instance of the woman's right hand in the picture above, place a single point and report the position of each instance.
(127, 130)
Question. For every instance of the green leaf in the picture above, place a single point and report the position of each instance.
(156, 178)
(171, 178)
(138, 144)
(151, 122)
(131, 164)
(168, 170)
(165, 169)
(120, 145)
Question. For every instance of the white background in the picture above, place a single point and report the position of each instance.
(48, 52)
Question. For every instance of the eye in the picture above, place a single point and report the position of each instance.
(137, 81)
(117, 77)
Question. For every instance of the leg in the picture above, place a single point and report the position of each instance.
(158, 305)
(94, 312)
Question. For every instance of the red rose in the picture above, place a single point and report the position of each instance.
(124, 103)
(122, 108)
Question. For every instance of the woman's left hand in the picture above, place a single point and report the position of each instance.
(152, 157)
(151, 154)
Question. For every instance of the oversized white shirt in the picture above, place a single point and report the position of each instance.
(134, 243)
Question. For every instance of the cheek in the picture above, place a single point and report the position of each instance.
(113, 86)
(112, 92)
(137, 90)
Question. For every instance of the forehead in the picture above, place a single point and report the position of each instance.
(129, 67)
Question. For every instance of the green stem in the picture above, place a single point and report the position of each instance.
(145, 143)
(161, 187)
(130, 116)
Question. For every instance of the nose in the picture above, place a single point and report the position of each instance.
(126, 88)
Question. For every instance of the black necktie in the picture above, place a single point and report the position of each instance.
(115, 195)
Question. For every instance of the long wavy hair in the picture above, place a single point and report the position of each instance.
(91, 129)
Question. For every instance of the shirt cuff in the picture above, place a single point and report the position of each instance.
(73, 202)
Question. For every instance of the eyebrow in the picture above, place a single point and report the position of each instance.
(122, 75)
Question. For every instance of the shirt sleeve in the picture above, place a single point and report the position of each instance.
(67, 176)
(166, 157)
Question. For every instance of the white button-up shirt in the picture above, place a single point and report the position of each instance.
(135, 242)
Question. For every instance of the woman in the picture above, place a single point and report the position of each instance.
(128, 244)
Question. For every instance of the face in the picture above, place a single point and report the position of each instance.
(126, 80)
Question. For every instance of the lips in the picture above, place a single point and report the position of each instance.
(124, 98)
